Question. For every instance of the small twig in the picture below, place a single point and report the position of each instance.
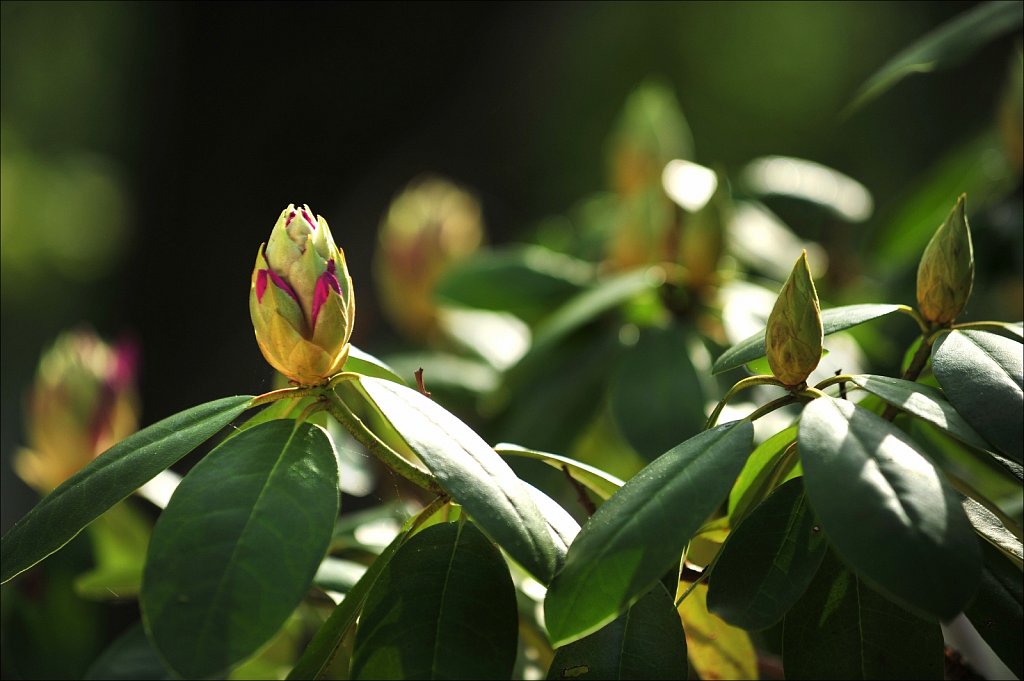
(581, 492)
(419, 383)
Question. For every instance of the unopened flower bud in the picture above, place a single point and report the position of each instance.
(428, 228)
(946, 272)
(794, 335)
(300, 298)
(82, 402)
(703, 235)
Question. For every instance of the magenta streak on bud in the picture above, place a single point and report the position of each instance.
(261, 285)
(282, 284)
(291, 216)
(328, 280)
(311, 221)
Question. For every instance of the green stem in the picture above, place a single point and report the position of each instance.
(993, 326)
(832, 380)
(378, 447)
(922, 323)
(812, 393)
(772, 406)
(283, 394)
(748, 382)
(917, 365)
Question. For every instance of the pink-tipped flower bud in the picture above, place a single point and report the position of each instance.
(82, 402)
(300, 298)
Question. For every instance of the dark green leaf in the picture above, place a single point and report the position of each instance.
(639, 534)
(471, 472)
(924, 402)
(647, 642)
(998, 607)
(131, 657)
(108, 479)
(235, 551)
(842, 629)
(945, 46)
(444, 607)
(887, 510)
(767, 561)
(832, 320)
(982, 374)
(526, 281)
(656, 395)
(321, 650)
(596, 480)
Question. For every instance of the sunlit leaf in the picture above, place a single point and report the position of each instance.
(108, 479)
(235, 551)
(768, 561)
(601, 483)
(982, 374)
(716, 649)
(832, 320)
(639, 533)
(759, 474)
(842, 629)
(366, 364)
(988, 525)
(866, 479)
(444, 607)
(646, 642)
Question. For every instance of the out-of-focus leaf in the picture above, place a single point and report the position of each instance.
(499, 338)
(768, 561)
(443, 608)
(119, 539)
(471, 472)
(832, 320)
(945, 46)
(866, 479)
(647, 642)
(449, 374)
(596, 480)
(656, 394)
(924, 402)
(810, 181)
(235, 551)
(982, 374)
(998, 607)
(108, 479)
(366, 364)
(716, 649)
(526, 281)
(763, 242)
(131, 657)
(842, 629)
(979, 168)
(759, 474)
(337, 574)
(639, 533)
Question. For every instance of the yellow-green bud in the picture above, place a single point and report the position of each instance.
(643, 230)
(794, 334)
(429, 227)
(946, 273)
(82, 402)
(702, 239)
(300, 298)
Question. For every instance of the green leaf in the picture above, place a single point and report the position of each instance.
(944, 47)
(472, 472)
(646, 642)
(108, 479)
(988, 525)
(639, 533)
(119, 539)
(768, 561)
(596, 480)
(131, 657)
(868, 484)
(235, 550)
(923, 401)
(366, 364)
(656, 395)
(321, 650)
(842, 629)
(832, 320)
(998, 607)
(526, 281)
(716, 649)
(443, 608)
(760, 474)
(982, 374)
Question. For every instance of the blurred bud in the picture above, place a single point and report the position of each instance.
(83, 401)
(651, 131)
(946, 273)
(300, 298)
(1011, 111)
(428, 228)
(643, 230)
(794, 334)
(702, 240)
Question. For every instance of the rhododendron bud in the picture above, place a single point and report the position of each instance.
(946, 272)
(300, 298)
(793, 339)
(82, 402)
(428, 228)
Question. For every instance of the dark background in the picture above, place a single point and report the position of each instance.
(148, 147)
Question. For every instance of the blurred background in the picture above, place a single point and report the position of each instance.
(148, 148)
